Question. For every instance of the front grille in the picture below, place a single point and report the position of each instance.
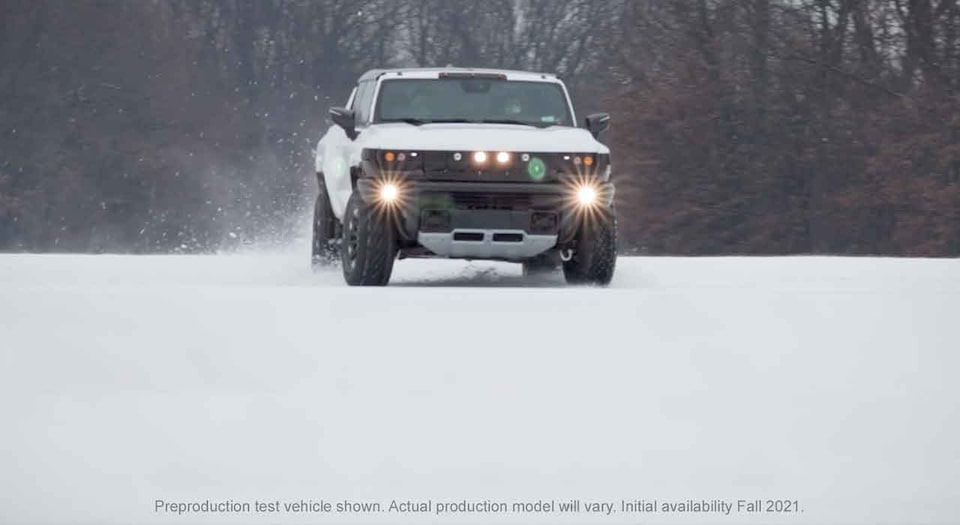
(491, 201)
(436, 161)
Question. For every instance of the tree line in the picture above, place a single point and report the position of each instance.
(739, 126)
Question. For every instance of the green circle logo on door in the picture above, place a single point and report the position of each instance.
(536, 169)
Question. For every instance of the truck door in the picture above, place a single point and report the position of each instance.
(339, 152)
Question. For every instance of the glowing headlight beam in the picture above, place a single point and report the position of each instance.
(480, 157)
(389, 193)
(586, 195)
(503, 157)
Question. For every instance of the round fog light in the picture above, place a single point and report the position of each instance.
(480, 157)
(503, 157)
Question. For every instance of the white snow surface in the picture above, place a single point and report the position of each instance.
(127, 379)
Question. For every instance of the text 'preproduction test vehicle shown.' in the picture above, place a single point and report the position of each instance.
(468, 164)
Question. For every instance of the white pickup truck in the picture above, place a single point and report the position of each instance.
(464, 163)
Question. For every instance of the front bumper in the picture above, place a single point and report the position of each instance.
(484, 220)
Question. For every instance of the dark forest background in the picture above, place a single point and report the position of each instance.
(740, 126)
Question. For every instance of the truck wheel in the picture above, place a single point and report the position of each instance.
(369, 244)
(595, 255)
(543, 264)
(326, 241)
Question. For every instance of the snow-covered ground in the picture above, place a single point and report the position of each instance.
(830, 381)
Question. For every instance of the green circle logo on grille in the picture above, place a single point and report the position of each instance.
(536, 168)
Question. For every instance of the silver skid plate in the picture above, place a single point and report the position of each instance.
(483, 246)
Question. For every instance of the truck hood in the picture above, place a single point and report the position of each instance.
(492, 137)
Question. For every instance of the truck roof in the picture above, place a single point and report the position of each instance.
(429, 72)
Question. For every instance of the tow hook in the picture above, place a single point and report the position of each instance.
(566, 255)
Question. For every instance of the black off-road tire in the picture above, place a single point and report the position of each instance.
(595, 255)
(543, 264)
(325, 248)
(369, 244)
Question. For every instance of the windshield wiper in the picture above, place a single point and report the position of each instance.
(510, 121)
(452, 121)
(413, 121)
(420, 121)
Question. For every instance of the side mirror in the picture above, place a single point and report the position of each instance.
(597, 123)
(346, 119)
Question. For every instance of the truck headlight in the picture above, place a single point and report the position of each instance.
(586, 195)
(389, 193)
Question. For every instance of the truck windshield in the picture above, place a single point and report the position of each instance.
(421, 101)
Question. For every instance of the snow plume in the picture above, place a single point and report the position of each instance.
(244, 198)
